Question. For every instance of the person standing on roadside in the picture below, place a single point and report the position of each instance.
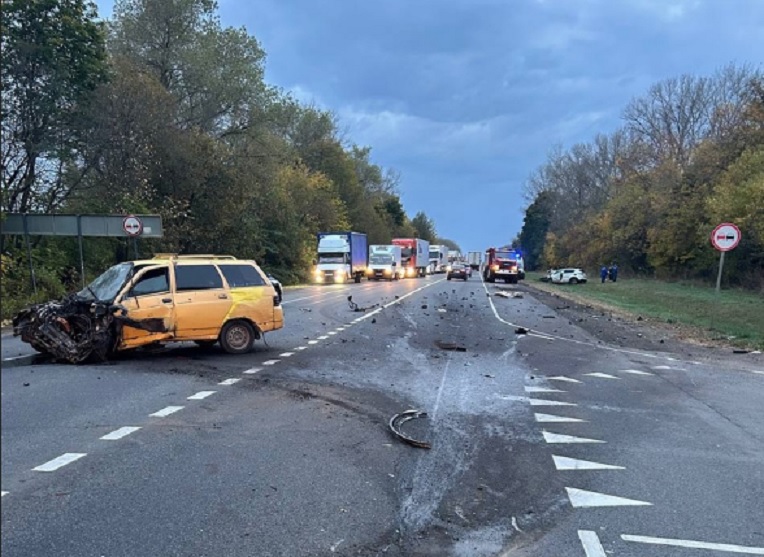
(614, 272)
(603, 274)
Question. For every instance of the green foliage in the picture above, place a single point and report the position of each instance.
(424, 227)
(450, 244)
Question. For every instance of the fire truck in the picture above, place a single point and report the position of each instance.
(504, 263)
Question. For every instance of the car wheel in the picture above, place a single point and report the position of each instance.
(237, 337)
(573, 280)
(448, 278)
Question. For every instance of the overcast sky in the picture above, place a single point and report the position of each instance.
(466, 97)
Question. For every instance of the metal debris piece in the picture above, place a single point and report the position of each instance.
(450, 346)
(357, 308)
(397, 421)
(505, 294)
(521, 331)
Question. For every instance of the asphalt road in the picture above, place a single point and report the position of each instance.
(552, 443)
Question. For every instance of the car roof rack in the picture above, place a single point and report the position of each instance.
(175, 256)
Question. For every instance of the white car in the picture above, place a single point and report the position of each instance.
(568, 276)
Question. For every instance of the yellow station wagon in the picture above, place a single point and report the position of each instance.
(201, 298)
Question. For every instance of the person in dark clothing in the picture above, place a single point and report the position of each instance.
(603, 274)
(614, 272)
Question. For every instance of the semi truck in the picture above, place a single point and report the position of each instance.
(384, 262)
(341, 257)
(438, 258)
(474, 259)
(415, 255)
(504, 263)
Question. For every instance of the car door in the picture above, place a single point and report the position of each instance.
(201, 301)
(148, 302)
(253, 296)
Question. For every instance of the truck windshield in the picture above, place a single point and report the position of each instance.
(406, 252)
(505, 255)
(106, 287)
(434, 255)
(339, 257)
(381, 259)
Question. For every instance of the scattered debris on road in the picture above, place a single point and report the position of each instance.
(450, 346)
(505, 294)
(521, 331)
(397, 421)
(355, 307)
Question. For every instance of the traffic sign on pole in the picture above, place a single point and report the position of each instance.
(132, 225)
(725, 237)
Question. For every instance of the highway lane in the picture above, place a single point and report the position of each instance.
(293, 458)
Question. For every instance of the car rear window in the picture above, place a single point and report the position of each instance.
(241, 275)
(197, 277)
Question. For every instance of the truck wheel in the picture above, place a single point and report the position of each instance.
(237, 337)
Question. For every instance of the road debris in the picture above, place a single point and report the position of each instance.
(450, 346)
(521, 331)
(355, 307)
(397, 421)
(505, 294)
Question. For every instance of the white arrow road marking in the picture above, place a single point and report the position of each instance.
(201, 395)
(636, 372)
(542, 390)
(230, 381)
(563, 378)
(565, 463)
(557, 438)
(58, 462)
(602, 375)
(252, 371)
(286, 354)
(166, 411)
(535, 401)
(271, 362)
(591, 543)
(582, 498)
(120, 433)
(551, 418)
(730, 548)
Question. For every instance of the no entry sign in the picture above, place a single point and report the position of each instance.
(132, 225)
(725, 237)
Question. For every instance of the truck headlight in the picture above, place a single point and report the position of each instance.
(494, 267)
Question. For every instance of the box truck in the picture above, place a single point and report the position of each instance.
(415, 255)
(341, 257)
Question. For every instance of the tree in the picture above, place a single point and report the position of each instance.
(53, 59)
(424, 227)
(450, 244)
(535, 227)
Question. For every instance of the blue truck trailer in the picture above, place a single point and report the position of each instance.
(342, 256)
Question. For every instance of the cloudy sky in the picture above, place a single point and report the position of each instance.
(466, 97)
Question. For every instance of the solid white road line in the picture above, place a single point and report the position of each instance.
(120, 433)
(729, 548)
(252, 371)
(636, 372)
(580, 498)
(591, 543)
(166, 411)
(230, 381)
(201, 395)
(271, 362)
(58, 462)
(557, 438)
(566, 463)
(551, 418)
(602, 375)
(542, 390)
(563, 378)
(286, 354)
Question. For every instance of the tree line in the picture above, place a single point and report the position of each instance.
(688, 156)
(162, 109)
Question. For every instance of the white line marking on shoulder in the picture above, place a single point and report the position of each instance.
(201, 395)
(120, 433)
(551, 418)
(166, 411)
(566, 463)
(230, 381)
(729, 548)
(558, 438)
(581, 498)
(58, 462)
(591, 543)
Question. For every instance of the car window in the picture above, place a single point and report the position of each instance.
(153, 282)
(197, 277)
(241, 275)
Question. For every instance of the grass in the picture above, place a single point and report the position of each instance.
(733, 315)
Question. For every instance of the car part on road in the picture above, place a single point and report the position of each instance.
(357, 308)
(397, 421)
(450, 346)
(521, 331)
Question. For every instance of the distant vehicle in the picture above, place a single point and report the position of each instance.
(277, 286)
(341, 257)
(415, 255)
(385, 263)
(475, 259)
(504, 263)
(438, 258)
(568, 276)
(458, 270)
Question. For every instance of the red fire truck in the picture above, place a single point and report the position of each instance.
(504, 263)
(415, 255)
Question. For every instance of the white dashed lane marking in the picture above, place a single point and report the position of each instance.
(58, 462)
(271, 362)
(230, 381)
(332, 332)
(301, 348)
(286, 354)
(563, 378)
(323, 337)
(581, 498)
(312, 342)
(565, 463)
(550, 418)
(661, 367)
(201, 395)
(602, 375)
(542, 390)
(120, 433)
(558, 438)
(166, 411)
(340, 329)
(252, 371)
(635, 372)
(3, 493)
(536, 401)
(729, 548)
(591, 543)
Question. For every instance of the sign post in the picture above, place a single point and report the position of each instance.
(724, 238)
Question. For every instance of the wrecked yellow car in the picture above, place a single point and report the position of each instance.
(201, 298)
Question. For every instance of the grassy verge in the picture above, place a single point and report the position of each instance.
(733, 315)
